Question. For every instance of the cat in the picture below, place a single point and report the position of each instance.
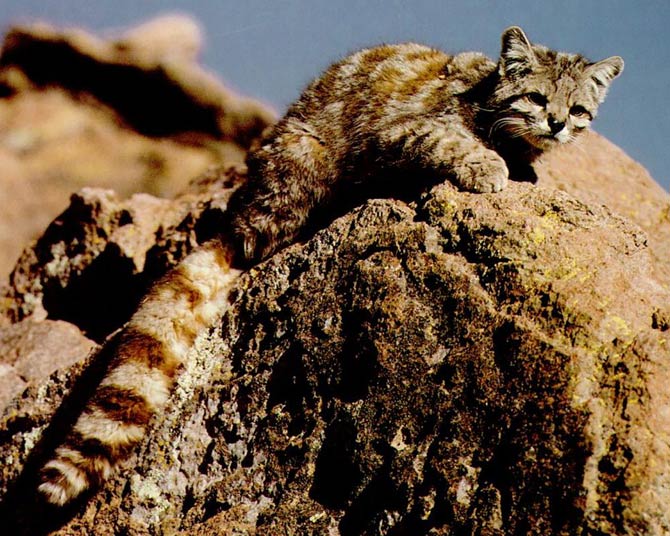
(392, 111)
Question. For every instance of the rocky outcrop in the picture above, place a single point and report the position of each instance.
(491, 364)
(33, 350)
(476, 364)
(135, 113)
(104, 252)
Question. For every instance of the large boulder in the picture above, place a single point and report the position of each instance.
(596, 171)
(463, 364)
(490, 364)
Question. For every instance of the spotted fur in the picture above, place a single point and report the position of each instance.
(406, 108)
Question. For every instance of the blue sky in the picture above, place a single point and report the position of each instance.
(270, 49)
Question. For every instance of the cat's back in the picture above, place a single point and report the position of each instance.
(378, 73)
(388, 79)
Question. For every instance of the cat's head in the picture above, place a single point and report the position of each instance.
(547, 97)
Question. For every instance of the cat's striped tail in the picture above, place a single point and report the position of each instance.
(149, 353)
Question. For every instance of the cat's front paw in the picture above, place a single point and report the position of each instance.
(481, 173)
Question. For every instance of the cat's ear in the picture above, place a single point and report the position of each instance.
(603, 72)
(516, 56)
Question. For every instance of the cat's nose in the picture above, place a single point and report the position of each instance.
(555, 126)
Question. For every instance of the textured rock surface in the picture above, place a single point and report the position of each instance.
(136, 113)
(31, 351)
(102, 252)
(597, 171)
(477, 364)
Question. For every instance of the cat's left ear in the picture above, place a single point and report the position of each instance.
(517, 56)
(603, 72)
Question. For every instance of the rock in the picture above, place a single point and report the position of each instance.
(597, 171)
(101, 253)
(490, 364)
(31, 351)
(135, 113)
(482, 364)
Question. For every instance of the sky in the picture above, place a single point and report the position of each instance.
(271, 49)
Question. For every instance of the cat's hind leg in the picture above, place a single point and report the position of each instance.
(289, 175)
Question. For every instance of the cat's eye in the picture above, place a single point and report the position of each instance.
(580, 111)
(537, 98)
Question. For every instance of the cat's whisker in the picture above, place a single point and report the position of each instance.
(508, 124)
(578, 146)
(479, 108)
(519, 133)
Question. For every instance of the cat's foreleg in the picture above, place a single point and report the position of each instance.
(451, 151)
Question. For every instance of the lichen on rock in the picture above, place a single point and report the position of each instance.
(431, 368)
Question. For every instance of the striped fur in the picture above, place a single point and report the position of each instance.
(408, 107)
(150, 352)
(394, 107)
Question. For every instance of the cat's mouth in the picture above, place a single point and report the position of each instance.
(542, 140)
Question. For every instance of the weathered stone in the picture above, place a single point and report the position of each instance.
(30, 351)
(598, 172)
(489, 364)
(463, 364)
(102, 252)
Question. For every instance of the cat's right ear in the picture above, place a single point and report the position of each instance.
(516, 56)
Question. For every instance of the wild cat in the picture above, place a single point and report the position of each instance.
(407, 108)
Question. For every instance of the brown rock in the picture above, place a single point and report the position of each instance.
(482, 364)
(598, 172)
(95, 261)
(30, 351)
(136, 113)
(464, 364)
